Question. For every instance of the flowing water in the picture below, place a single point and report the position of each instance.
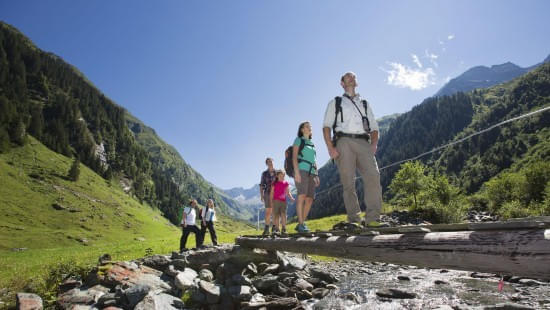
(433, 289)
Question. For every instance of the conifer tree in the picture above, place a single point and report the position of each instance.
(74, 172)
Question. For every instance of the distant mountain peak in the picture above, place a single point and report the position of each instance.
(483, 77)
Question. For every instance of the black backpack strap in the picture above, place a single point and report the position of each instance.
(365, 104)
(302, 145)
(337, 109)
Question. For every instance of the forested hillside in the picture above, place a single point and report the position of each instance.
(443, 119)
(43, 96)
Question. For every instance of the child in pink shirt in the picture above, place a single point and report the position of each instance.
(280, 189)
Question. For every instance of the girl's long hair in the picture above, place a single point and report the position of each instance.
(300, 134)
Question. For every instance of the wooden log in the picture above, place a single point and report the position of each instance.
(523, 252)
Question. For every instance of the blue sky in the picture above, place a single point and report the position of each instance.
(228, 82)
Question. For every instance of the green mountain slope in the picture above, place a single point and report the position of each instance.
(169, 163)
(47, 221)
(45, 97)
(34, 184)
(443, 119)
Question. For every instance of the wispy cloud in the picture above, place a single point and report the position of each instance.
(416, 60)
(450, 37)
(405, 77)
(432, 58)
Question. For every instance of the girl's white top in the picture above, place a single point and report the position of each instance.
(209, 215)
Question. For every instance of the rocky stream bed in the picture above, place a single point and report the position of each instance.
(230, 277)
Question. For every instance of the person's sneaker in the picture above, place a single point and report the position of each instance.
(305, 228)
(184, 250)
(298, 228)
(266, 231)
(283, 232)
(275, 232)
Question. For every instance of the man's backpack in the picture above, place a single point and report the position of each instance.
(338, 109)
(289, 166)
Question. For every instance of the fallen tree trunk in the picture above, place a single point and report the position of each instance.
(522, 252)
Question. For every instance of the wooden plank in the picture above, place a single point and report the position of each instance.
(516, 252)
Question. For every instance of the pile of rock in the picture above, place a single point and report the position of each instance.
(224, 277)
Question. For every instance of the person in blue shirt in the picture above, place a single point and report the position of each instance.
(306, 177)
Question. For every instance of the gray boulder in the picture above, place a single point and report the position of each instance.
(240, 292)
(185, 279)
(135, 294)
(26, 301)
(206, 275)
(212, 291)
(160, 301)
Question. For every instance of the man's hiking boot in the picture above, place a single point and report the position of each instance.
(283, 232)
(373, 224)
(275, 232)
(266, 231)
(346, 226)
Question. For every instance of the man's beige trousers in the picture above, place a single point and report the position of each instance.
(357, 154)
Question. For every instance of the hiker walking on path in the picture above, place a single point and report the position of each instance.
(268, 177)
(189, 226)
(279, 191)
(208, 217)
(305, 173)
(353, 146)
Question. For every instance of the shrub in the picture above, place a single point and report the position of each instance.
(514, 209)
(504, 188)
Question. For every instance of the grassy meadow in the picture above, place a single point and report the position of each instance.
(93, 216)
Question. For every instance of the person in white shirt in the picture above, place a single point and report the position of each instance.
(353, 146)
(208, 217)
(189, 226)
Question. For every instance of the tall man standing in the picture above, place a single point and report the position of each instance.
(268, 178)
(353, 147)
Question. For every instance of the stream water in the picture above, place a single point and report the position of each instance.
(369, 286)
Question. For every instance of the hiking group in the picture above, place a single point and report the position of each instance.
(350, 132)
(207, 217)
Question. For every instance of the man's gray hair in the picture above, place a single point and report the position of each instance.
(349, 72)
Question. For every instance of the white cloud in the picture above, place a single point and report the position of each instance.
(450, 37)
(416, 60)
(405, 77)
(431, 57)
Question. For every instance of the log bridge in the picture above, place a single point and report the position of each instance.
(519, 247)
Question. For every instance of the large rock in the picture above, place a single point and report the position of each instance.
(290, 262)
(240, 292)
(26, 301)
(206, 275)
(158, 262)
(77, 297)
(225, 253)
(160, 301)
(266, 283)
(304, 285)
(135, 294)
(395, 293)
(212, 291)
(323, 275)
(127, 274)
(186, 279)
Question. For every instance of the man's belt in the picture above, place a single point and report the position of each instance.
(352, 135)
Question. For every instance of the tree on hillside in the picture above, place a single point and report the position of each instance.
(409, 181)
(74, 172)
